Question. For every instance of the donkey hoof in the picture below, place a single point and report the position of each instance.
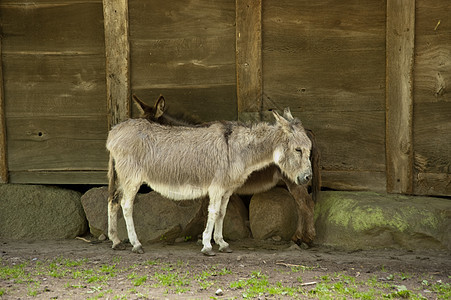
(119, 246)
(138, 249)
(208, 252)
(226, 250)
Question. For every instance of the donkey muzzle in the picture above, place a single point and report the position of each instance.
(303, 178)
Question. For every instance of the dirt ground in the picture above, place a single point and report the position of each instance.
(76, 269)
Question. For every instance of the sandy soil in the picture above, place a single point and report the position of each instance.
(282, 265)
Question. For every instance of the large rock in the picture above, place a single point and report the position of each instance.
(236, 220)
(273, 214)
(40, 212)
(155, 217)
(366, 220)
(158, 218)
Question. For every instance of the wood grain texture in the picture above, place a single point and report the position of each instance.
(3, 158)
(117, 52)
(59, 177)
(57, 143)
(432, 98)
(54, 88)
(399, 98)
(249, 55)
(185, 51)
(324, 55)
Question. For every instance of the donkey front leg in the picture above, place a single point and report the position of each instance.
(219, 239)
(127, 209)
(305, 207)
(213, 211)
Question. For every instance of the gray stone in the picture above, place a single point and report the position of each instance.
(236, 219)
(156, 218)
(273, 213)
(367, 220)
(40, 212)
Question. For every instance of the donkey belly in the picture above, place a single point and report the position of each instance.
(179, 192)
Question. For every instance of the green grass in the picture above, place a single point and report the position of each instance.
(93, 281)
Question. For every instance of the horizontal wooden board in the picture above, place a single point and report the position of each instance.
(178, 19)
(355, 181)
(432, 184)
(52, 26)
(202, 103)
(59, 177)
(324, 55)
(190, 61)
(432, 137)
(42, 85)
(57, 143)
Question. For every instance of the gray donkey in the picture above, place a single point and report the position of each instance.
(183, 162)
(260, 180)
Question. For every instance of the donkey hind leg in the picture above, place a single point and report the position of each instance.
(213, 210)
(219, 239)
(113, 208)
(129, 194)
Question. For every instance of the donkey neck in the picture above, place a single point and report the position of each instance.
(257, 148)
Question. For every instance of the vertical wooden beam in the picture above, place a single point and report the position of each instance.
(3, 148)
(400, 35)
(117, 51)
(249, 56)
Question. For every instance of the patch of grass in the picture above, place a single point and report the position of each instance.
(258, 284)
(16, 273)
(139, 280)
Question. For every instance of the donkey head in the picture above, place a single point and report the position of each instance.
(292, 155)
(148, 112)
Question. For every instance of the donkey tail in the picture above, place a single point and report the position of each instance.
(112, 176)
(316, 169)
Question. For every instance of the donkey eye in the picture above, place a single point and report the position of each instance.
(299, 150)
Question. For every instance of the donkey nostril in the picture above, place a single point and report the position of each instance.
(307, 178)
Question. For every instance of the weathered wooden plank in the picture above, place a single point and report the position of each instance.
(43, 85)
(249, 55)
(189, 61)
(432, 51)
(117, 52)
(324, 55)
(3, 159)
(438, 184)
(185, 51)
(177, 19)
(57, 143)
(432, 100)
(207, 103)
(399, 100)
(59, 177)
(354, 180)
(52, 26)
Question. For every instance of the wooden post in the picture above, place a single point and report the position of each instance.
(3, 148)
(117, 51)
(249, 56)
(400, 34)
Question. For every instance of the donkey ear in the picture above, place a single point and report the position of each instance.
(140, 104)
(160, 106)
(287, 114)
(281, 120)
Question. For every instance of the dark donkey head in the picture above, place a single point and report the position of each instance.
(158, 114)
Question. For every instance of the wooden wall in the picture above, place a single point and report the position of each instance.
(54, 90)
(370, 77)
